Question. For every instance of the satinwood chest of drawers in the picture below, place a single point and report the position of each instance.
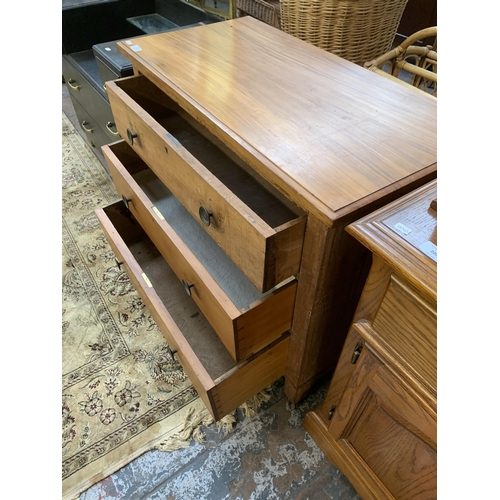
(245, 153)
(378, 421)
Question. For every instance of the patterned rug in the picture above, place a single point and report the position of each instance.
(122, 392)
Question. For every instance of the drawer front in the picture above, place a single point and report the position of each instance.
(167, 140)
(82, 90)
(95, 135)
(222, 383)
(245, 319)
(407, 324)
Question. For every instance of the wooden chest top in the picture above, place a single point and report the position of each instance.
(329, 134)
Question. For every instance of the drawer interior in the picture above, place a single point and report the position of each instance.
(243, 181)
(202, 338)
(228, 276)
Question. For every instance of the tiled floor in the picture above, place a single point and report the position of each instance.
(267, 456)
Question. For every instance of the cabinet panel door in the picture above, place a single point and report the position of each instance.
(383, 427)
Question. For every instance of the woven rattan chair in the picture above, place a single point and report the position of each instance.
(357, 30)
(411, 64)
(266, 11)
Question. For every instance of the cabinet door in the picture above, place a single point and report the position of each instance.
(386, 432)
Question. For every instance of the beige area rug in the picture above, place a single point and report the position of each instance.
(122, 393)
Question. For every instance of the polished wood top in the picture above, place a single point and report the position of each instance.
(328, 133)
(404, 234)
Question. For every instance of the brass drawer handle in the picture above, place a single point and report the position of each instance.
(126, 201)
(131, 137)
(85, 122)
(109, 125)
(205, 215)
(73, 84)
(187, 287)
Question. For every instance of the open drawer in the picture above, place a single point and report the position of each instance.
(259, 229)
(245, 319)
(221, 382)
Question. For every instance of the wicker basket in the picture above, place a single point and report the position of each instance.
(266, 11)
(357, 30)
(411, 64)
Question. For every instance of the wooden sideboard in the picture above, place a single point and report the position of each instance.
(378, 421)
(269, 147)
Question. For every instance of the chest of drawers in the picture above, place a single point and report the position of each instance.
(378, 421)
(245, 153)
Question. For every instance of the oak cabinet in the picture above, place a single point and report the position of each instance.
(378, 421)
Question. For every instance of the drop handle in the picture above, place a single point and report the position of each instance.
(187, 287)
(109, 125)
(126, 201)
(73, 84)
(205, 215)
(85, 122)
(131, 137)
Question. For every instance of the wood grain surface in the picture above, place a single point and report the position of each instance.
(326, 132)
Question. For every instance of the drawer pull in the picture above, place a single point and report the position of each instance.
(172, 352)
(73, 84)
(356, 353)
(85, 122)
(187, 287)
(109, 125)
(118, 263)
(131, 137)
(205, 215)
(126, 201)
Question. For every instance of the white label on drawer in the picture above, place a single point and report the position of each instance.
(404, 229)
(146, 279)
(136, 48)
(158, 213)
(129, 42)
(430, 249)
(107, 48)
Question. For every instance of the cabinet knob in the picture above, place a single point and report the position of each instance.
(126, 201)
(131, 137)
(356, 353)
(205, 215)
(187, 287)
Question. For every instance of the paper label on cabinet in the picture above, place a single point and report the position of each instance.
(129, 42)
(404, 229)
(158, 213)
(136, 48)
(146, 279)
(430, 249)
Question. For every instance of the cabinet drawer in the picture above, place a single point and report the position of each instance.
(81, 88)
(259, 229)
(407, 324)
(245, 319)
(95, 135)
(221, 382)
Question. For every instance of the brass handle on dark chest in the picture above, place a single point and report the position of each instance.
(73, 84)
(205, 215)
